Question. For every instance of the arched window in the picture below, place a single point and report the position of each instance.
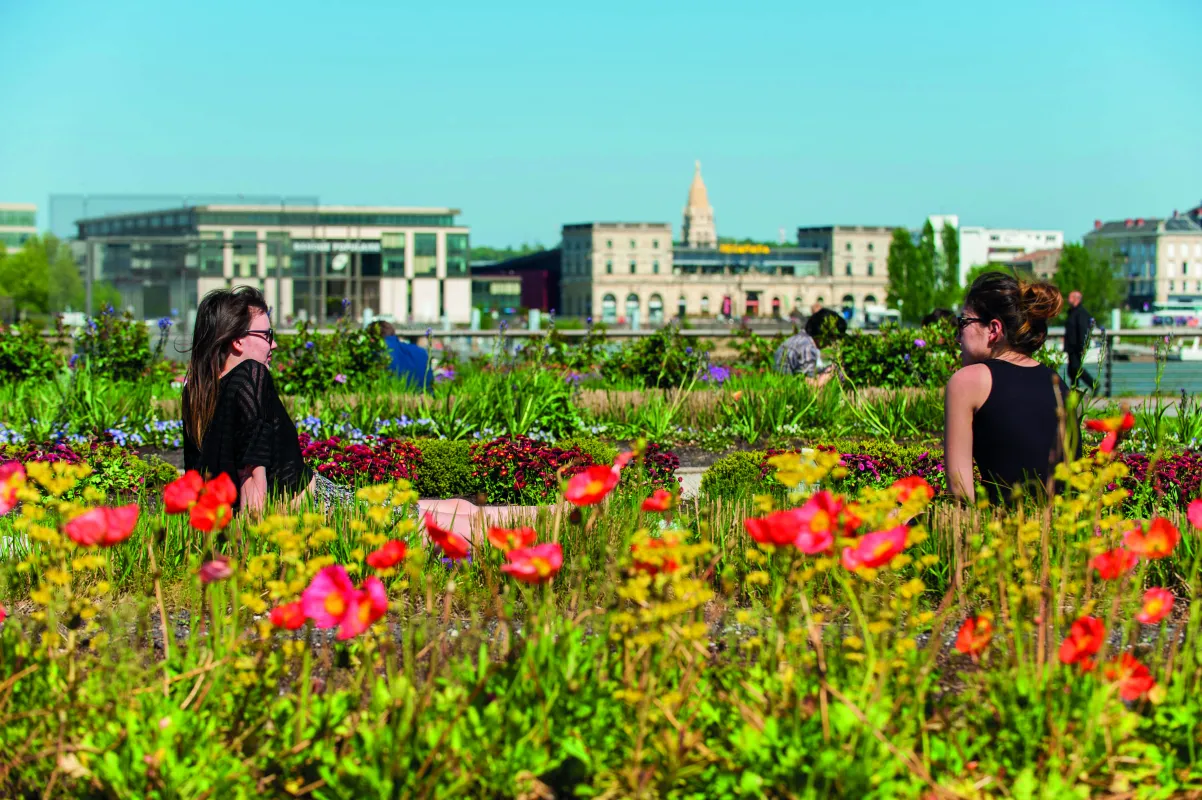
(632, 306)
(776, 304)
(655, 310)
(870, 270)
(609, 308)
(798, 303)
(681, 307)
(705, 304)
(870, 300)
(849, 304)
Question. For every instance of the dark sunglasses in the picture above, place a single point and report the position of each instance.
(268, 334)
(964, 322)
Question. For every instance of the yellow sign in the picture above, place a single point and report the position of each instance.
(744, 249)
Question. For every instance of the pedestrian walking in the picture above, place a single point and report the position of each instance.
(1076, 336)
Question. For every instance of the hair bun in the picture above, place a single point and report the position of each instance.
(1040, 300)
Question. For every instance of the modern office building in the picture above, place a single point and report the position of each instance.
(1160, 258)
(312, 262)
(18, 222)
(506, 288)
(981, 246)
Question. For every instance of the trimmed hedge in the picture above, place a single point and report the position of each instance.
(445, 470)
(869, 462)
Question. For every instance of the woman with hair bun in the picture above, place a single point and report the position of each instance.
(1003, 408)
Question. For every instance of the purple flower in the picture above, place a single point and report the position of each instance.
(72, 362)
(346, 303)
(165, 324)
(715, 374)
(444, 374)
(308, 345)
(907, 358)
(920, 343)
(339, 378)
(574, 378)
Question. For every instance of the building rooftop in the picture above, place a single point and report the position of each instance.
(1178, 224)
(616, 225)
(282, 209)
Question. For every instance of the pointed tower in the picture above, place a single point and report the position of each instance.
(698, 228)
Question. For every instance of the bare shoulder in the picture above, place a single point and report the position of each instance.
(971, 383)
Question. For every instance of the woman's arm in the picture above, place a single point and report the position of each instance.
(965, 393)
(254, 490)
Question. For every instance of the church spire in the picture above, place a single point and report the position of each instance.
(697, 229)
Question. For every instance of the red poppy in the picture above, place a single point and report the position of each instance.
(289, 616)
(506, 539)
(1158, 542)
(536, 564)
(1133, 678)
(1114, 563)
(453, 545)
(778, 528)
(875, 549)
(103, 527)
(1084, 639)
(1193, 513)
(368, 604)
(3, 613)
(1158, 603)
(216, 570)
(647, 559)
(389, 555)
(206, 514)
(12, 478)
(221, 490)
(590, 487)
(908, 487)
(974, 636)
(660, 500)
(183, 492)
(1112, 427)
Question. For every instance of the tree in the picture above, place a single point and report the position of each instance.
(902, 265)
(43, 278)
(1094, 276)
(950, 290)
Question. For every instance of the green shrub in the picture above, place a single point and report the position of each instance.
(309, 363)
(26, 353)
(601, 452)
(446, 469)
(116, 346)
(733, 476)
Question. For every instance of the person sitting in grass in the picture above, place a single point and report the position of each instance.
(233, 419)
(1003, 408)
(409, 362)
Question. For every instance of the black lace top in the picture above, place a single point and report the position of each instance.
(250, 428)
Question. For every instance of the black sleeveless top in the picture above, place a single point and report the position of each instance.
(250, 428)
(1016, 431)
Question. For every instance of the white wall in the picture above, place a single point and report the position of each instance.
(1002, 245)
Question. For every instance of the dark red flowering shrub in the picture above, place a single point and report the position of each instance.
(1174, 479)
(517, 469)
(379, 461)
(660, 466)
(116, 471)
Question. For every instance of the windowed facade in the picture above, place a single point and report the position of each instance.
(457, 255)
(655, 309)
(633, 267)
(609, 309)
(847, 269)
(632, 306)
(392, 254)
(246, 254)
(609, 267)
(425, 255)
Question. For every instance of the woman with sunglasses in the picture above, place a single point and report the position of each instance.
(234, 421)
(1003, 408)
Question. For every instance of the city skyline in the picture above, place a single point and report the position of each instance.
(1016, 117)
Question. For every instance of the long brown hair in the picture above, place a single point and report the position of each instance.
(1023, 307)
(223, 316)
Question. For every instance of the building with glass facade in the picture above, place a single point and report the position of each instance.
(18, 222)
(317, 263)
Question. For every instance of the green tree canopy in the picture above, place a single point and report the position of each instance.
(43, 278)
(1094, 276)
(950, 292)
(903, 278)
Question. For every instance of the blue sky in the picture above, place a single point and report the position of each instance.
(529, 115)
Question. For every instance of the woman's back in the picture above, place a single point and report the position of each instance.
(1016, 432)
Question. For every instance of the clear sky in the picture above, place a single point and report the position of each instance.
(527, 115)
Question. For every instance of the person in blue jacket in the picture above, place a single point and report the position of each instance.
(409, 362)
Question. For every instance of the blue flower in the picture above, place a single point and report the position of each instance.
(73, 360)
(308, 345)
(715, 374)
(165, 324)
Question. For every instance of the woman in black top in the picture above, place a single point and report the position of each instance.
(234, 421)
(1003, 408)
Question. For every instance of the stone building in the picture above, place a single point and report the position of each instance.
(1160, 258)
